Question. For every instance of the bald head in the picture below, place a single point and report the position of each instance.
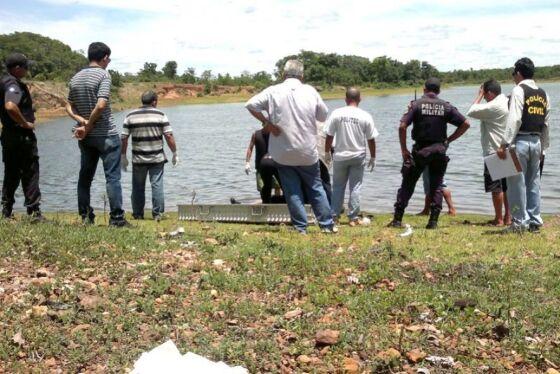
(352, 95)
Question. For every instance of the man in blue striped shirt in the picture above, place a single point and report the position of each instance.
(88, 105)
(147, 126)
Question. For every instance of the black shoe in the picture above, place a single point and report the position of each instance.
(534, 228)
(37, 217)
(121, 222)
(432, 222)
(138, 216)
(88, 220)
(397, 219)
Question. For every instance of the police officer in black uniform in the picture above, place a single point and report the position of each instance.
(429, 116)
(19, 144)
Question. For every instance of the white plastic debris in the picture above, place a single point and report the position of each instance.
(366, 221)
(407, 232)
(166, 358)
(445, 362)
(179, 231)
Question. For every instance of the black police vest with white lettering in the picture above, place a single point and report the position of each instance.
(261, 147)
(534, 110)
(429, 121)
(25, 105)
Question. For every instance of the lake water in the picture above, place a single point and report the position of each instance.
(212, 140)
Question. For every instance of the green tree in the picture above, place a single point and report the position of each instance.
(170, 70)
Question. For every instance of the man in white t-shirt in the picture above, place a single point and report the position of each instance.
(293, 109)
(350, 128)
(493, 116)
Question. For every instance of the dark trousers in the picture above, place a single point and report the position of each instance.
(268, 171)
(21, 164)
(435, 159)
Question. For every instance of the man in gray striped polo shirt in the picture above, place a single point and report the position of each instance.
(147, 126)
(88, 105)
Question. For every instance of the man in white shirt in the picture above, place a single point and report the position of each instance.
(492, 115)
(527, 130)
(293, 109)
(350, 128)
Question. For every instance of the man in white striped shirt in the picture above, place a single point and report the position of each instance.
(147, 126)
(88, 105)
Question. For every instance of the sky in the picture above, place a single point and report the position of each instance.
(232, 36)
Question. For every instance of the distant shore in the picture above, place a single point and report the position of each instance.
(174, 94)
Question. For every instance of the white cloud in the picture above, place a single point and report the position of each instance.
(232, 36)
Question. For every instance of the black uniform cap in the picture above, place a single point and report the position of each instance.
(17, 59)
(433, 85)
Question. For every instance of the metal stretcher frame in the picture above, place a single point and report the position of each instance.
(239, 213)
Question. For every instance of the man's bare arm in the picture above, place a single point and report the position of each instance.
(267, 126)
(402, 139)
(170, 139)
(72, 112)
(371, 146)
(96, 114)
(16, 115)
(459, 132)
(249, 152)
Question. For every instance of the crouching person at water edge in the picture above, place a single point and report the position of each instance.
(429, 117)
(293, 108)
(526, 130)
(89, 106)
(19, 144)
(147, 126)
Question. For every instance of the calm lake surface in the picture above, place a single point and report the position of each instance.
(212, 140)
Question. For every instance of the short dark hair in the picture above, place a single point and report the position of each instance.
(525, 67)
(149, 97)
(433, 85)
(492, 85)
(97, 51)
(353, 94)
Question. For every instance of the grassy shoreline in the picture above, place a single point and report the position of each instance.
(93, 298)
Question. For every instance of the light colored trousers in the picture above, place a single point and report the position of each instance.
(349, 172)
(524, 190)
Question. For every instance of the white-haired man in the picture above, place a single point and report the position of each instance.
(293, 108)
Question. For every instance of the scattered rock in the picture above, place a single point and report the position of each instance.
(389, 355)
(211, 241)
(416, 355)
(445, 362)
(214, 294)
(552, 371)
(42, 273)
(39, 310)
(18, 339)
(218, 263)
(89, 302)
(327, 337)
(304, 359)
(500, 332)
(293, 313)
(351, 365)
(464, 303)
(423, 371)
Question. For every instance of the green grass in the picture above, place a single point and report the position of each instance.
(149, 288)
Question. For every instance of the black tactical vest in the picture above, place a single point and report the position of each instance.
(429, 121)
(534, 110)
(261, 147)
(25, 105)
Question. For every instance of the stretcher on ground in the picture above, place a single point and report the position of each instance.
(240, 213)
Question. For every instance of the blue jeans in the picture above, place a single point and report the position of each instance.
(139, 174)
(348, 171)
(293, 179)
(109, 150)
(524, 190)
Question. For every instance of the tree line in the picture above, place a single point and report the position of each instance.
(55, 60)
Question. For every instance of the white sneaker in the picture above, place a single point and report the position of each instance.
(329, 230)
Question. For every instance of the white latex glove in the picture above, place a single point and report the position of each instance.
(371, 164)
(124, 161)
(247, 168)
(175, 159)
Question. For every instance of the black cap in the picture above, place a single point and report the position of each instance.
(433, 85)
(17, 59)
